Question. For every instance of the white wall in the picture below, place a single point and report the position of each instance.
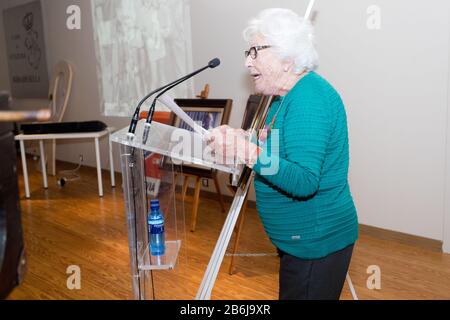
(394, 82)
(76, 46)
(446, 224)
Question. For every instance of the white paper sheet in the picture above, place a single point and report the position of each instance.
(170, 103)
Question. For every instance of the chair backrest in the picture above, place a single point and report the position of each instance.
(60, 89)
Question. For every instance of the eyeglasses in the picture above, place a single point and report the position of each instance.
(253, 51)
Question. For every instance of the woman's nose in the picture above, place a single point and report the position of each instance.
(248, 62)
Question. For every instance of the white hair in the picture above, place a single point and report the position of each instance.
(291, 36)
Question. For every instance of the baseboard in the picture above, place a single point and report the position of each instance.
(404, 238)
(446, 249)
(384, 234)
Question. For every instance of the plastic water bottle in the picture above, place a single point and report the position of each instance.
(155, 222)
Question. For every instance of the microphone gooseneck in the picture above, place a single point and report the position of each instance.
(134, 120)
(212, 64)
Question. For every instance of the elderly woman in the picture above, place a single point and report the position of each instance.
(304, 203)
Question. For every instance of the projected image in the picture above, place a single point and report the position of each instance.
(140, 46)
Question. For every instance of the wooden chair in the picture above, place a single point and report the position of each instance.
(189, 173)
(60, 90)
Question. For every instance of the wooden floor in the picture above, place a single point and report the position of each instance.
(73, 226)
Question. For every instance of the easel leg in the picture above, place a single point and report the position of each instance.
(350, 285)
(195, 203)
(216, 183)
(185, 186)
(238, 235)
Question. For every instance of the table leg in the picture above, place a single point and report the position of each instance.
(43, 164)
(99, 168)
(24, 168)
(111, 164)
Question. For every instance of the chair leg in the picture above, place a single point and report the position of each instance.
(185, 186)
(238, 235)
(195, 203)
(216, 183)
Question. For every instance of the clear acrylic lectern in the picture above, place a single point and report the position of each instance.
(150, 171)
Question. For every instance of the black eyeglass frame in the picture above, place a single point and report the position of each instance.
(253, 51)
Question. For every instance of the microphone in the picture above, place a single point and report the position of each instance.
(131, 130)
(212, 64)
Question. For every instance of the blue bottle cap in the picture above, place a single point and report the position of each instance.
(154, 204)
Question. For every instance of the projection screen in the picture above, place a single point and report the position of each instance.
(140, 45)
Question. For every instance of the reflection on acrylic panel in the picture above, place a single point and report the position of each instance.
(140, 46)
(206, 119)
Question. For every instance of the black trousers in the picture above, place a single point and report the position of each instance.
(317, 279)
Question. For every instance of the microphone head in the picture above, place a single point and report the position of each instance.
(214, 63)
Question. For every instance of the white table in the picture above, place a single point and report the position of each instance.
(57, 136)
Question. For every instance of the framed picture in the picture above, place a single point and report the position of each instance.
(207, 118)
(209, 113)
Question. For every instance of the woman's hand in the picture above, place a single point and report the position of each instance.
(233, 145)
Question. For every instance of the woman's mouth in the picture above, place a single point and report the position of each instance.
(256, 76)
